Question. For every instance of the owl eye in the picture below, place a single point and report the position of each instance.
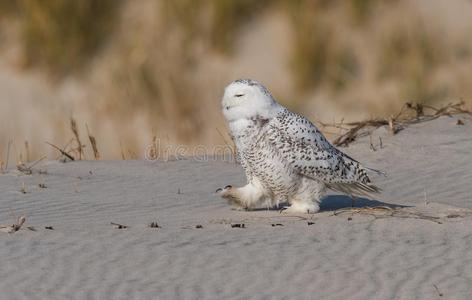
(239, 95)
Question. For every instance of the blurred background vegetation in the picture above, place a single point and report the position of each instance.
(132, 70)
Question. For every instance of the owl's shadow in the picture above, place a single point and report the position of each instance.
(335, 202)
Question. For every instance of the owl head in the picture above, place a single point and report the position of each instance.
(246, 99)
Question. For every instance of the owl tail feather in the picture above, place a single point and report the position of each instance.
(355, 188)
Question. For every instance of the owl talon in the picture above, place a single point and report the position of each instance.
(222, 191)
(283, 209)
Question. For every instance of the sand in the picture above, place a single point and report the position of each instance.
(423, 251)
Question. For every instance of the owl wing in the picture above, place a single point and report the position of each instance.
(304, 148)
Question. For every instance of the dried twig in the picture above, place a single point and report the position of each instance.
(28, 170)
(353, 130)
(13, 227)
(238, 225)
(372, 147)
(119, 226)
(230, 144)
(61, 150)
(23, 188)
(437, 290)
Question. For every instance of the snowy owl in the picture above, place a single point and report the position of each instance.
(285, 157)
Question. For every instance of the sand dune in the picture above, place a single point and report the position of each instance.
(421, 252)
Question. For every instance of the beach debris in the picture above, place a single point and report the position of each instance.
(391, 126)
(459, 122)
(23, 188)
(49, 227)
(118, 226)
(198, 226)
(42, 186)
(23, 169)
(437, 290)
(309, 223)
(31, 228)
(349, 218)
(63, 152)
(13, 227)
(421, 113)
(277, 224)
(372, 147)
(154, 225)
(238, 225)
(28, 169)
(382, 211)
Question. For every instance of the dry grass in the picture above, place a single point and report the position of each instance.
(93, 143)
(409, 114)
(75, 130)
(62, 151)
(27, 169)
(4, 164)
(216, 22)
(63, 35)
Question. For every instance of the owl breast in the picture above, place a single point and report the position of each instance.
(261, 160)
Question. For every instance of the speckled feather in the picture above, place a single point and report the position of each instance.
(284, 151)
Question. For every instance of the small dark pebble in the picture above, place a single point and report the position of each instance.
(154, 225)
(277, 224)
(42, 185)
(198, 226)
(49, 227)
(119, 226)
(349, 219)
(238, 225)
(310, 223)
(460, 122)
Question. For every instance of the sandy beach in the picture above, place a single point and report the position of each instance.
(417, 248)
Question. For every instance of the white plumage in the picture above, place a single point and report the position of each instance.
(285, 157)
